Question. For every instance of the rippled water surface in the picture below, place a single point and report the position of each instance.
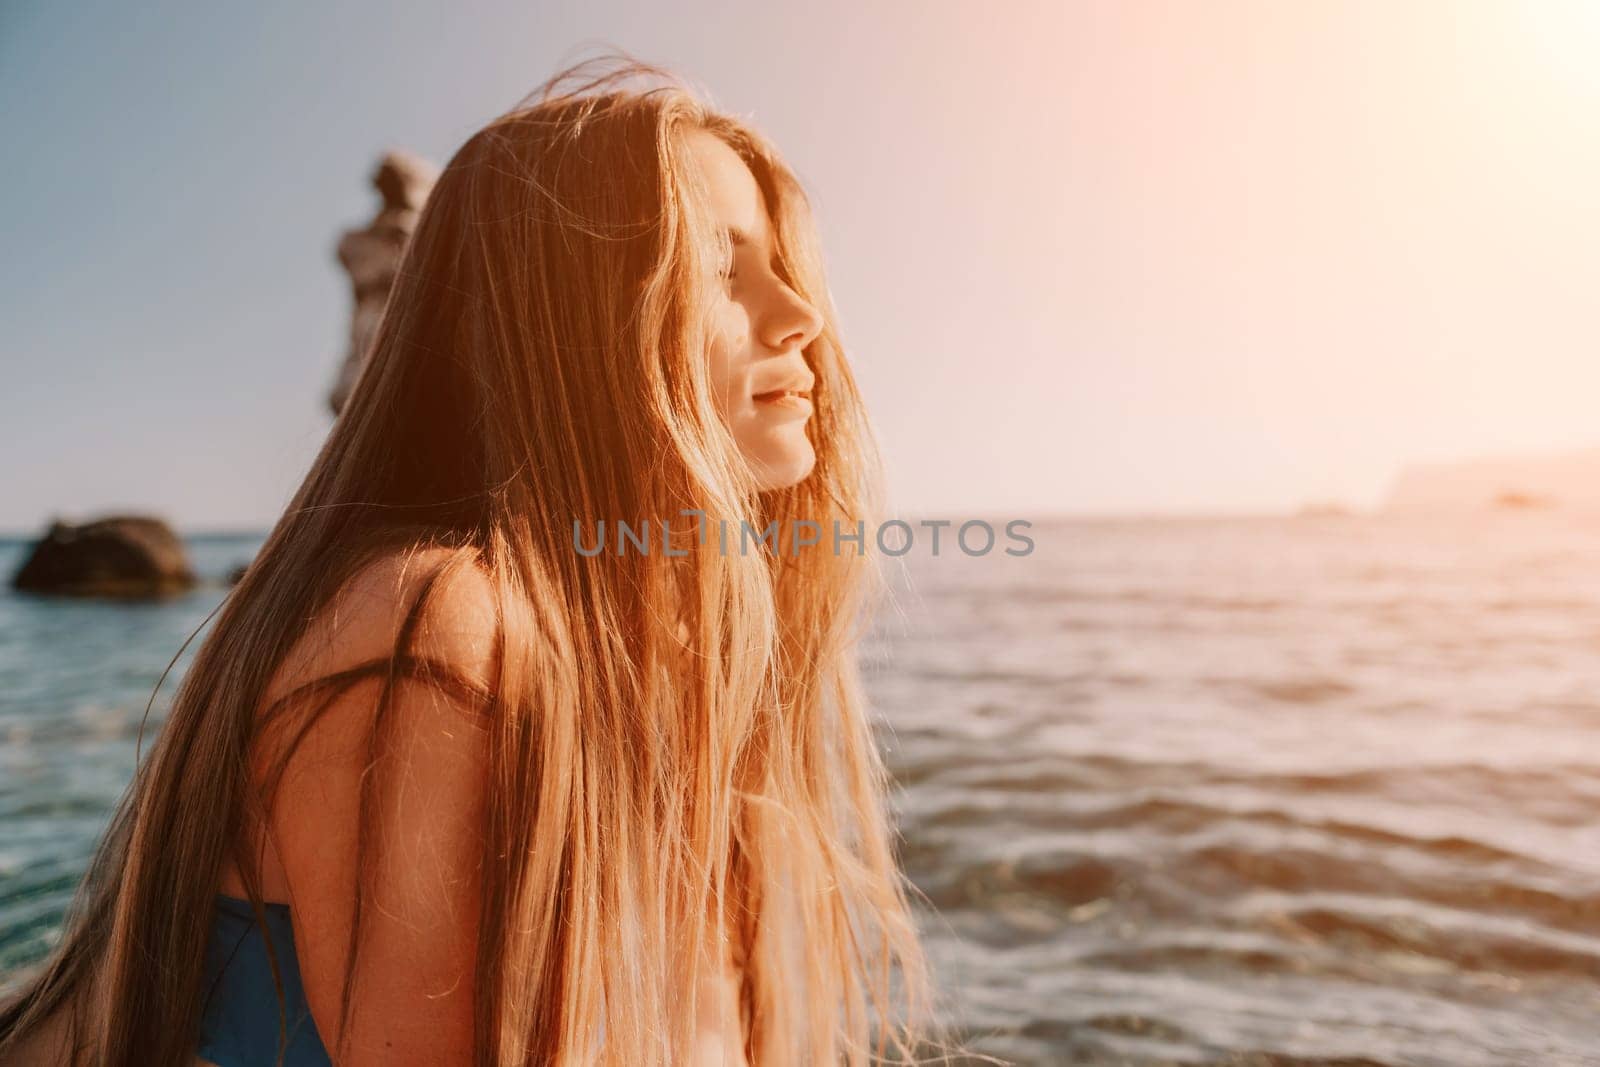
(1246, 791)
(1260, 791)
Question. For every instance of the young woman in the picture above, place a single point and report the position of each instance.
(443, 785)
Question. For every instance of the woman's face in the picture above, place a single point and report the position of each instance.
(760, 328)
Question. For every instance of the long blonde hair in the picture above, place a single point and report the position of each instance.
(541, 368)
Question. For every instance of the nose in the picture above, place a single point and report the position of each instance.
(791, 322)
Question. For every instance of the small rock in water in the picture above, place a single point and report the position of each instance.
(118, 556)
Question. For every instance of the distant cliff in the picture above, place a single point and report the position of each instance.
(1568, 480)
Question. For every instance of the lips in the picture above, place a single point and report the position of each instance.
(784, 384)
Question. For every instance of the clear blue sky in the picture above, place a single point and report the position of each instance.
(1090, 257)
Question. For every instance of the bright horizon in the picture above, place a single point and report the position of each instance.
(1090, 258)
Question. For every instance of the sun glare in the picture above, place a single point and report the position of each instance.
(1565, 37)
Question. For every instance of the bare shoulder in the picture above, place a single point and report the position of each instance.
(443, 598)
(312, 751)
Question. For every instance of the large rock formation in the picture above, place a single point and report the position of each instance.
(372, 254)
(1569, 481)
(133, 556)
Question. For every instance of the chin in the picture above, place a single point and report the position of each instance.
(782, 471)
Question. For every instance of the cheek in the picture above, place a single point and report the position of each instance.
(727, 366)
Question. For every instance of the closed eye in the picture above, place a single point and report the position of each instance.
(728, 273)
(735, 239)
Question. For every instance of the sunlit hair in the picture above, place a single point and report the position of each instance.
(676, 740)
